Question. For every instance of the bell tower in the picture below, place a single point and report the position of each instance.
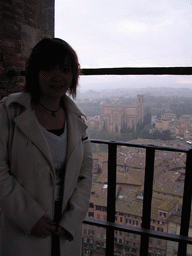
(140, 102)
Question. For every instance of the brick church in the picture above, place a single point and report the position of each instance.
(116, 118)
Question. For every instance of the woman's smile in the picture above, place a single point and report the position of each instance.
(56, 80)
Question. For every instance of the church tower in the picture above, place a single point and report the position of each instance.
(140, 102)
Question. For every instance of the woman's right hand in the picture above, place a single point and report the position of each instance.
(44, 227)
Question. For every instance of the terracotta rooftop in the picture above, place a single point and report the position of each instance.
(122, 178)
(99, 194)
(170, 188)
(168, 176)
(168, 204)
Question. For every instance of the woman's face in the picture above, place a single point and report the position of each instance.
(56, 82)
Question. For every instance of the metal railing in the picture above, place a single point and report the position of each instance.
(183, 239)
(144, 231)
(122, 71)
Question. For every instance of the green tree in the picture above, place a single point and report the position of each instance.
(166, 135)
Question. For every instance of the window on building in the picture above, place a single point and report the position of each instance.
(90, 214)
(162, 214)
(91, 205)
(91, 232)
(104, 208)
(127, 249)
(128, 221)
(98, 207)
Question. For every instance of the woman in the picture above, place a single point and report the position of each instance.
(45, 158)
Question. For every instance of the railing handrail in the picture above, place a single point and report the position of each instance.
(123, 71)
(140, 145)
(138, 71)
(137, 231)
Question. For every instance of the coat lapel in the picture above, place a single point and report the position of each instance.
(75, 125)
(29, 125)
(75, 128)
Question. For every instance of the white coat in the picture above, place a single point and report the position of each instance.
(27, 179)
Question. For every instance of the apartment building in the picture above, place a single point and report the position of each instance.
(128, 212)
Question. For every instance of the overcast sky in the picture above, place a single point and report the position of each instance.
(127, 33)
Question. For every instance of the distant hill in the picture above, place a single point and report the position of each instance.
(133, 92)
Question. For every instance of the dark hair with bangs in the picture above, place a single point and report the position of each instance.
(46, 55)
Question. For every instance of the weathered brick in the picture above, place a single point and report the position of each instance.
(24, 24)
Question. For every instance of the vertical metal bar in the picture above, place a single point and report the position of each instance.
(111, 196)
(147, 198)
(186, 207)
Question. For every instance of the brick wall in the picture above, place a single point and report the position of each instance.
(23, 23)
